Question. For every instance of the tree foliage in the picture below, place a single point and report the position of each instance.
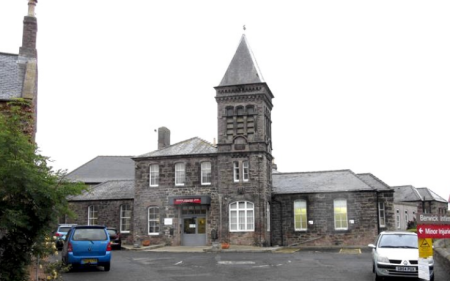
(32, 195)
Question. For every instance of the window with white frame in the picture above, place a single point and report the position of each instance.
(241, 170)
(382, 214)
(242, 216)
(153, 221)
(206, 173)
(397, 216)
(245, 171)
(92, 215)
(154, 175)
(406, 218)
(300, 215)
(236, 171)
(340, 214)
(125, 218)
(180, 173)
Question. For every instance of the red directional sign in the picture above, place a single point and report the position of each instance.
(433, 231)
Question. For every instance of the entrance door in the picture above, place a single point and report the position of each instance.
(194, 225)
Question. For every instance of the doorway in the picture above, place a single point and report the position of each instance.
(193, 225)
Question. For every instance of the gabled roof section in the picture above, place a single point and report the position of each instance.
(429, 195)
(374, 182)
(243, 68)
(406, 193)
(11, 77)
(109, 190)
(104, 168)
(188, 147)
(318, 182)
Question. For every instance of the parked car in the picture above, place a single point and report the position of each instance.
(114, 236)
(60, 234)
(87, 245)
(396, 254)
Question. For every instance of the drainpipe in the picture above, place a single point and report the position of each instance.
(378, 212)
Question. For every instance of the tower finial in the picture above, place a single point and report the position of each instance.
(244, 28)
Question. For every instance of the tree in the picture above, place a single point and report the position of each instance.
(32, 195)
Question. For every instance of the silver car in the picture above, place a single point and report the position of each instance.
(396, 254)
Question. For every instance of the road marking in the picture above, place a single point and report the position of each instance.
(235, 262)
(350, 251)
(180, 262)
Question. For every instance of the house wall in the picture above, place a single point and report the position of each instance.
(361, 208)
(403, 214)
(108, 214)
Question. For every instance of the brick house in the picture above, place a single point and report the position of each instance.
(18, 72)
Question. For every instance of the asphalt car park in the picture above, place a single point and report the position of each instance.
(221, 266)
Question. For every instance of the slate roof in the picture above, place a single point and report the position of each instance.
(104, 168)
(318, 182)
(374, 182)
(188, 147)
(109, 190)
(406, 193)
(243, 68)
(429, 195)
(11, 77)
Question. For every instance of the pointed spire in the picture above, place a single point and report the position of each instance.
(243, 68)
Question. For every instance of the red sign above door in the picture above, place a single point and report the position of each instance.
(178, 201)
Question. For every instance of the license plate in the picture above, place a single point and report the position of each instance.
(89, 261)
(405, 268)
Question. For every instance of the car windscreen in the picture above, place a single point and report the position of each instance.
(89, 234)
(398, 241)
(64, 229)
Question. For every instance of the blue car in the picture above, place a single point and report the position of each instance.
(60, 234)
(87, 245)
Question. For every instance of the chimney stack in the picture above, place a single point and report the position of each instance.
(163, 137)
(28, 48)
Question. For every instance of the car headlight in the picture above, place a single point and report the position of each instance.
(382, 259)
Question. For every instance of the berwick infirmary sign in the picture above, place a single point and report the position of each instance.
(433, 226)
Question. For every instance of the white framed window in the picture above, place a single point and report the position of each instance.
(154, 175)
(125, 218)
(242, 216)
(300, 215)
(180, 174)
(340, 214)
(92, 215)
(382, 214)
(245, 171)
(406, 219)
(236, 171)
(206, 173)
(153, 221)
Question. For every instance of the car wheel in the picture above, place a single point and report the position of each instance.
(107, 266)
(432, 278)
(378, 278)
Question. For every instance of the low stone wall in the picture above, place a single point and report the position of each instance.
(442, 253)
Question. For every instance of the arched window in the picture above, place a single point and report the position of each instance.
(125, 218)
(153, 221)
(300, 215)
(206, 173)
(242, 216)
(92, 215)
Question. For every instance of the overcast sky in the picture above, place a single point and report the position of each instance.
(360, 85)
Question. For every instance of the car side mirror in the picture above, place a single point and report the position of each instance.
(372, 246)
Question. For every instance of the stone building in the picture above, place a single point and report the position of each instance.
(194, 192)
(18, 73)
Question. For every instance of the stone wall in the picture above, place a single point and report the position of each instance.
(108, 214)
(361, 208)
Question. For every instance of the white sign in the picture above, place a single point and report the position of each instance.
(424, 269)
(168, 221)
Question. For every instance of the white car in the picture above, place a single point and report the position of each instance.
(396, 254)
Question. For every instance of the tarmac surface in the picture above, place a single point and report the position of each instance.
(198, 249)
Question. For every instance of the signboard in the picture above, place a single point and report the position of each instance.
(425, 247)
(433, 231)
(432, 219)
(424, 269)
(178, 201)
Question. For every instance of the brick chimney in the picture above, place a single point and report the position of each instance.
(28, 48)
(163, 137)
